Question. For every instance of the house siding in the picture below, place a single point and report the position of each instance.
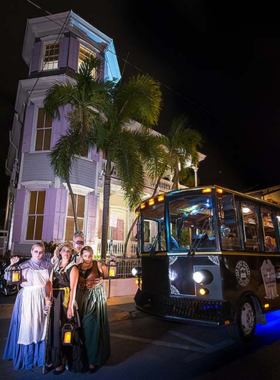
(37, 167)
(83, 173)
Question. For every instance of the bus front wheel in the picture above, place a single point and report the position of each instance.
(245, 325)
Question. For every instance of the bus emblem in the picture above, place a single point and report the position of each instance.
(242, 273)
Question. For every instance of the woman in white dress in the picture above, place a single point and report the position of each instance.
(25, 344)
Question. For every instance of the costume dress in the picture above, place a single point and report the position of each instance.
(55, 350)
(92, 302)
(25, 344)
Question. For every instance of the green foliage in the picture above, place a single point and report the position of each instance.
(50, 246)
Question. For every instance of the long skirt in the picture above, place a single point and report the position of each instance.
(23, 356)
(95, 325)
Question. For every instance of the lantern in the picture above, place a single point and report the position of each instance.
(112, 269)
(13, 275)
(68, 333)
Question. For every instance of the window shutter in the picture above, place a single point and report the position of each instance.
(60, 126)
(63, 52)
(120, 230)
(115, 233)
(49, 214)
(27, 130)
(95, 156)
(36, 56)
(18, 218)
(73, 54)
(91, 221)
(60, 214)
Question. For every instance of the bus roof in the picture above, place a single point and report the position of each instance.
(195, 189)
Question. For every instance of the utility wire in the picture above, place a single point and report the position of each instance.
(137, 68)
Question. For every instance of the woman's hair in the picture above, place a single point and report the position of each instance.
(87, 248)
(39, 245)
(65, 244)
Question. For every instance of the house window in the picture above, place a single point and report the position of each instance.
(50, 61)
(43, 131)
(35, 215)
(84, 53)
(79, 201)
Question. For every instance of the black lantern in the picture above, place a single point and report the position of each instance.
(13, 275)
(68, 333)
(112, 269)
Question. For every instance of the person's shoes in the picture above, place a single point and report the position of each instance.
(58, 372)
(49, 368)
(93, 370)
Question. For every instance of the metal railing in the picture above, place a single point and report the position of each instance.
(117, 249)
(124, 266)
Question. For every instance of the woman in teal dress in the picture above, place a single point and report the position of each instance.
(92, 303)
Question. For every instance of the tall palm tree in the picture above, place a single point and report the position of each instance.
(90, 99)
(133, 153)
(181, 143)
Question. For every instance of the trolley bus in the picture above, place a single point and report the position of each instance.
(209, 255)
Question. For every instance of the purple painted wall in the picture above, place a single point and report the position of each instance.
(49, 214)
(63, 52)
(18, 216)
(95, 156)
(27, 130)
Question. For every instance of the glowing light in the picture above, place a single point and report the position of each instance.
(151, 202)
(227, 322)
(137, 213)
(246, 210)
(15, 276)
(266, 306)
(208, 190)
(220, 191)
(67, 337)
(198, 277)
(142, 206)
(203, 292)
(161, 198)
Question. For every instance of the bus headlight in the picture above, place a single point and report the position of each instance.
(136, 271)
(203, 277)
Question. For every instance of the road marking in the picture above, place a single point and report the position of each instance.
(206, 350)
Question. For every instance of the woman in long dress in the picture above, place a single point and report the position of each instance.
(92, 303)
(25, 344)
(65, 279)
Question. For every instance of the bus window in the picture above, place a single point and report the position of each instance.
(268, 230)
(191, 223)
(154, 229)
(250, 226)
(230, 239)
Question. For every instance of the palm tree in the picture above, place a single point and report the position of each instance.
(89, 98)
(181, 144)
(133, 153)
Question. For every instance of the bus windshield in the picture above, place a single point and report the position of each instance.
(154, 229)
(191, 223)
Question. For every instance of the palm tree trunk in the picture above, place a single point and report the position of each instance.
(106, 209)
(72, 201)
(128, 236)
(175, 185)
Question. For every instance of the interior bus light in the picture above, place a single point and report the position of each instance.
(151, 202)
(203, 291)
(220, 191)
(208, 190)
(160, 198)
(203, 277)
(266, 305)
(137, 213)
(142, 206)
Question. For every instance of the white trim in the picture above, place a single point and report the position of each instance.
(79, 189)
(36, 185)
(20, 170)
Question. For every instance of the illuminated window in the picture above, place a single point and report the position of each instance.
(50, 61)
(84, 53)
(251, 228)
(43, 131)
(268, 230)
(35, 215)
(79, 201)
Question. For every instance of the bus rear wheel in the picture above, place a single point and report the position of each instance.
(244, 328)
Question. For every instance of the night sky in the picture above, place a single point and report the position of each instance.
(222, 59)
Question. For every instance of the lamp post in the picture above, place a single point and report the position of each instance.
(112, 273)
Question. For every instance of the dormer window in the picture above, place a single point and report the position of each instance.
(84, 53)
(50, 61)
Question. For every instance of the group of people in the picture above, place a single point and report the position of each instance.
(65, 291)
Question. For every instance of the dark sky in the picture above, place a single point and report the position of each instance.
(222, 58)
